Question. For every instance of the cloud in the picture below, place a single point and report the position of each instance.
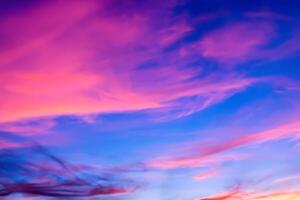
(193, 161)
(207, 153)
(29, 127)
(247, 40)
(246, 196)
(287, 179)
(35, 172)
(250, 191)
(207, 175)
(237, 42)
(33, 28)
(5, 144)
(278, 196)
(77, 62)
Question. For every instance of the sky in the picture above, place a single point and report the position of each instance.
(178, 99)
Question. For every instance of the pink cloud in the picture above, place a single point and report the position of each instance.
(80, 63)
(247, 40)
(277, 196)
(206, 175)
(30, 29)
(210, 153)
(287, 179)
(174, 32)
(194, 161)
(237, 42)
(255, 196)
(75, 62)
(222, 197)
(251, 191)
(5, 144)
(31, 131)
(233, 193)
(29, 128)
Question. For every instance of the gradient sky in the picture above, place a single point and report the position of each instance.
(193, 100)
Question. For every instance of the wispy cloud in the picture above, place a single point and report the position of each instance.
(29, 127)
(68, 65)
(26, 175)
(236, 43)
(270, 196)
(6, 144)
(206, 153)
(206, 175)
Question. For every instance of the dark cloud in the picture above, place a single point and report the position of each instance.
(36, 172)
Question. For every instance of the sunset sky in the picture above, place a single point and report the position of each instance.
(185, 99)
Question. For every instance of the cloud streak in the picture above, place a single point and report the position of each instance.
(206, 154)
(54, 178)
(68, 65)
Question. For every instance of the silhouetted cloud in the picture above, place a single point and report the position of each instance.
(34, 171)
